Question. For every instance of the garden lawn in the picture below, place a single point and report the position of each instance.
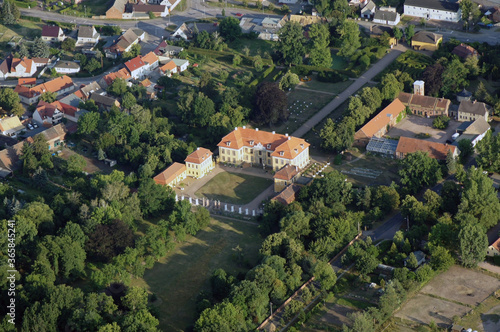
(256, 46)
(338, 62)
(334, 88)
(24, 28)
(179, 277)
(234, 188)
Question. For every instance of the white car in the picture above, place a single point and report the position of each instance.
(30, 127)
(35, 125)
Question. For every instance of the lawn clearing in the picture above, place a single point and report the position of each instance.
(181, 275)
(338, 62)
(333, 88)
(256, 46)
(234, 188)
(24, 28)
(302, 104)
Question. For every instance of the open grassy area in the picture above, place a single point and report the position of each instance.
(302, 104)
(256, 46)
(338, 62)
(334, 88)
(234, 188)
(180, 276)
(24, 28)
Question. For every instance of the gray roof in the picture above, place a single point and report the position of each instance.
(467, 106)
(369, 6)
(67, 64)
(71, 100)
(103, 100)
(86, 31)
(385, 16)
(380, 29)
(426, 37)
(91, 88)
(120, 5)
(478, 127)
(450, 6)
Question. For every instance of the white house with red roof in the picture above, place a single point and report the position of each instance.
(52, 113)
(199, 163)
(494, 249)
(245, 145)
(136, 67)
(151, 61)
(16, 67)
(52, 33)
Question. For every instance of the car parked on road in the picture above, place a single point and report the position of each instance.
(239, 14)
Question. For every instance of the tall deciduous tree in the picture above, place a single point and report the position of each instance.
(409, 32)
(432, 78)
(39, 48)
(473, 244)
(350, 40)
(419, 170)
(319, 52)
(270, 104)
(391, 87)
(291, 43)
(454, 77)
(229, 28)
(488, 150)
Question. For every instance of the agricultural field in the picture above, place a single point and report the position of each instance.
(179, 277)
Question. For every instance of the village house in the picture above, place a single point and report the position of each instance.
(150, 90)
(422, 105)
(157, 10)
(171, 176)
(136, 67)
(56, 135)
(123, 43)
(104, 102)
(169, 68)
(67, 67)
(285, 177)
(15, 67)
(107, 80)
(199, 163)
(9, 159)
(426, 41)
(181, 64)
(245, 145)
(379, 31)
(494, 249)
(150, 61)
(58, 85)
(167, 50)
(435, 150)
(10, 126)
(86, 91)
(472, 110)
(183, 31)
(288, 195)
(474, 131)
(463, 51)
(381, 123)
(52, 33)
(87, 35)
(117, 9)
(27, 82)
(369, 10)
(440, 10)
(387, 15)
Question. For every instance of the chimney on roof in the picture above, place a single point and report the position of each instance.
(197, 148)
(289, 137)
(244, 127)
(286, 134)
(235, 128)
(256, 129)
(274, 132)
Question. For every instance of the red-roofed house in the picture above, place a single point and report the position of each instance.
(381, 123)
(494, 249)
(108, 79)
(58, 85)
(157, 10)
(52, 113)
(464, 51)
(245, 145)
(15, 67)
(171, 176)
(136, 67)
(435, 150)
(285, 177)
(151, 61)
(169, 68)
(199, 163)
(52, 33)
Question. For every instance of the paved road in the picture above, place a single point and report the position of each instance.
(351, 90)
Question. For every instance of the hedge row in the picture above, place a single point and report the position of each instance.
(31, 18)
(303, 70)
(263, 76)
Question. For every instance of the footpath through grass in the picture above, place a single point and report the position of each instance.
(179, 277)
(234, 188)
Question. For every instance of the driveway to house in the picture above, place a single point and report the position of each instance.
(351, 90)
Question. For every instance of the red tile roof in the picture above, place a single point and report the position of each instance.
(382, 119)
(286, 173)
(435, 150)
(134, 64)
(26, 81)
(170, 174)
(464, 50)
(282, 146)
(496, 244)
(150, 58)
(168, 66)
(198, 156)
(158, 50)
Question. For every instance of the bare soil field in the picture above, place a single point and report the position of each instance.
(423, 309)
(462, 285)
(413, 125)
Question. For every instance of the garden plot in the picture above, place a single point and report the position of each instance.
(364, 172)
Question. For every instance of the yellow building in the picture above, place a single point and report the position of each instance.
(174, 174)
(245, 145)
(285, 177)
(199, 163)
(426, 41)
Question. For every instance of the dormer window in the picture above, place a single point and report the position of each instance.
(296, 151)
(269, 146)
(282, 153)
(301, 146)
(251, 143)
(228, 143)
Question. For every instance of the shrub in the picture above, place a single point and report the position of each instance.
(441, 122)
(331, 76)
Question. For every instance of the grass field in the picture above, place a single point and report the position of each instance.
(256, 46)
(24, 28)
(334, 88)
(180, 276)
(234, 188)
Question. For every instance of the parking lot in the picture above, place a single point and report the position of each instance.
(413, 126)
